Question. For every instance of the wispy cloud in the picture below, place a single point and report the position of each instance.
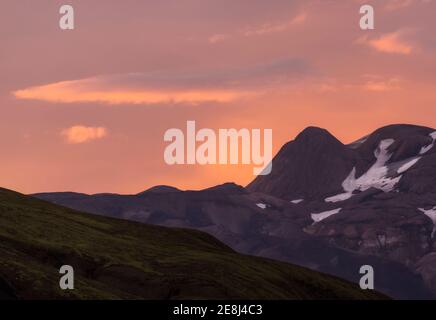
(393, 43)
(268, 28)
(77, 92)
(81, 134)
(392, 5)
(368, 82)
(398, 4)
(220, 86)
(378, 85)
(218, 38)
(260, 30)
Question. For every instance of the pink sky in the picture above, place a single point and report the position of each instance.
(86, 110)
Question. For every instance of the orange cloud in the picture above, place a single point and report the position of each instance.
(91, 90)
(388, 43)
(81, 134)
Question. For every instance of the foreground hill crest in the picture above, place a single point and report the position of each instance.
(116, 259)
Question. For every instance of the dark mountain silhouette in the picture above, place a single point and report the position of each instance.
(162, 189)
(315, 164)
(309, 167)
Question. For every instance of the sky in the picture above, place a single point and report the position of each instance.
(86, 110)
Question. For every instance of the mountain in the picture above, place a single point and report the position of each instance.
(316, 164)
(119, 259)
(383, 201)
(326, 205)
(380, 203)
(309, 167)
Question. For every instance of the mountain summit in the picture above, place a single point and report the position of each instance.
(316, 164)
(312, 165)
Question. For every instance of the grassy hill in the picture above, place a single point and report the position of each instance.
(117, 259)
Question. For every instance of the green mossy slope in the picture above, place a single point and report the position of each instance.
(117, 259)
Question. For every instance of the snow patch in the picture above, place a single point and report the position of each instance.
(430, 146)
(426, 149)
(408, 165)
(261, 205)
(431, 213)
(296, 201)
(317, 217)
(339, 197)
(376, 175)
(359, 142)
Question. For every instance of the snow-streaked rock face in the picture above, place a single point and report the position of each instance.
(375, 177)
(314, 165)
(317, 217)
